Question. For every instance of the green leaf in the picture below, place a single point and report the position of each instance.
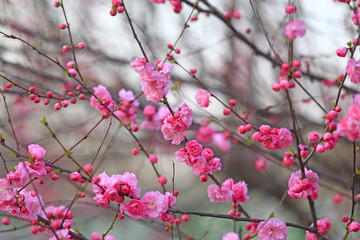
(12, 153)
(56, 171)
(349, 44)
(67, 153)
(356, 149)
(86, 79)
(43, 120)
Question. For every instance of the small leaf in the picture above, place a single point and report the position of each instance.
(86, 79)
(43, 120)
(56, 171)
(12, 153)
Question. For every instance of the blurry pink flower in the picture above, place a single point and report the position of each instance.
(354, 227)
(230, 236)
(350, 125)
(273, 138)
(157, 1)
(155, 204)
(324, 225)
(177, 5)
(272, 229)
(200, 166)
(294, 29)
(135, 209)
(301, 188)
(127, 107)
(31, 205)
(202, 98)
(353, 70)
(217, 194)
(341, 52)
(181, 155)
(356, 18)
(205, 134)
(7, 195)
(221, 142)
(36, 151)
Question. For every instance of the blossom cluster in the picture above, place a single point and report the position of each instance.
(302, 188)
(323, 225)
(154, 81)
(228, 191)
(273, 138)
(35, 167)
(125, 110)
(175, 125)
(117, 187)
(201, 161)
(273, 229)
(206, 134)
(154, 119)
(349, 125)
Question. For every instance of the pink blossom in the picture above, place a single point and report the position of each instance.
(294, 29)
(354, 227)
(135, 209)
(341, 52)
(272, 229)
(217, 194)
(353, 70)
(36, 151)
(182, 155)
(207, 153)
(174, 126)
(273, 138)
(104, 97)
(127, 107)
(153, 120)
(350, 125)
(31, 205)
(230, 236)
(239, 190)
(356, 18)
(193, 148)
(177, 5)
(205, 134)
(154, 82)
(61, 234)
(157, 1)
(56, 215)
(171, 199)
(301, 188)
(154, 203)
(200, 166)
(25, 169)
(202, 98)
(7, 195)
(221, 142)
(324, 226)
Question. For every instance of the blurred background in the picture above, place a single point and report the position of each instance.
(225, 64)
